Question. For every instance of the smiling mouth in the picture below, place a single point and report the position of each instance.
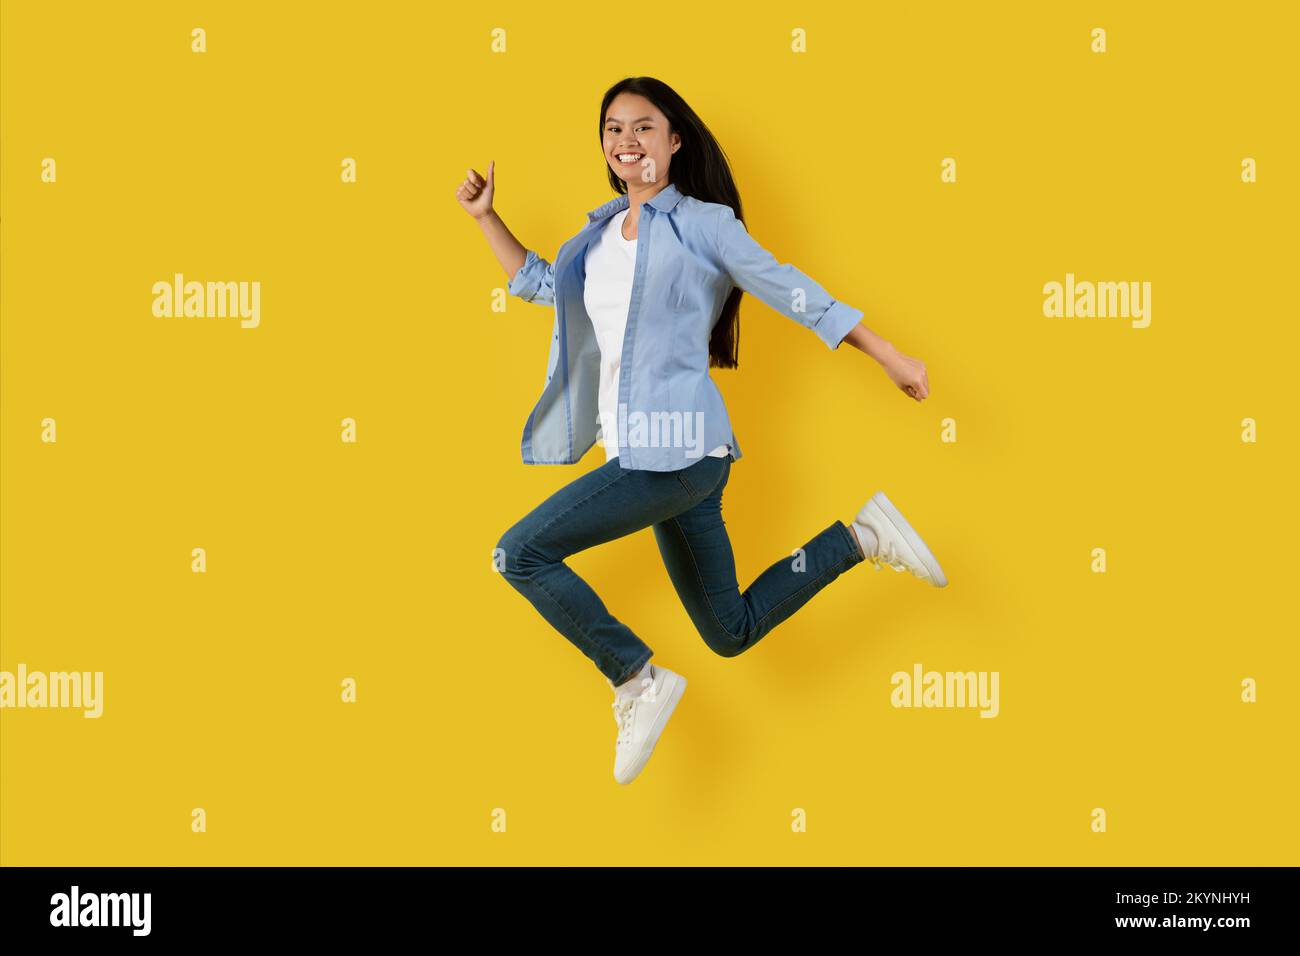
(628, 159)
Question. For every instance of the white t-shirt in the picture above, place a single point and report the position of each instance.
(611, 263)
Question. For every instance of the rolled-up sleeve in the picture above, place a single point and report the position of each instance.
(756, 271)
(535, 280)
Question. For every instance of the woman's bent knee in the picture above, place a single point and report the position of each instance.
(513, 557)
(721, 641)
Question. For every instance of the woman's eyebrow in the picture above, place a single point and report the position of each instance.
(615, 119)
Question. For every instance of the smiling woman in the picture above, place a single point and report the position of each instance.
(646, 299)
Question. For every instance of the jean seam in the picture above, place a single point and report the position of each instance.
(695, 565)
(833, 569)
(636, 669)
(582, 630)
(681, 477)
(758, 625)
(528, 542)
(684, 483)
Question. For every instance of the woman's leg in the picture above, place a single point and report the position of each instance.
(697, 552)
(605, 503)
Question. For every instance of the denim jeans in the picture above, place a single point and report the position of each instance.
(685, 509)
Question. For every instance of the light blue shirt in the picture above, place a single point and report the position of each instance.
(689, 256)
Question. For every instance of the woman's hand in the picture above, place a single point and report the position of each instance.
(475, 193)
(907, 373)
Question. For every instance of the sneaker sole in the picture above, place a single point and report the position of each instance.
(656, 730)
(914, 540)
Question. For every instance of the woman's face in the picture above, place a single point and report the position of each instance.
(636, 131)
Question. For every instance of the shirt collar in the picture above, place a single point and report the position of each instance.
(664, 200)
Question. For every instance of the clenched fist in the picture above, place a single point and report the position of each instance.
(908, 374)
(475, 193)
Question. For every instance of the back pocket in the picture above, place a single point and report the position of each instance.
(702, 477)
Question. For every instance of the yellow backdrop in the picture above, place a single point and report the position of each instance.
(478, 734)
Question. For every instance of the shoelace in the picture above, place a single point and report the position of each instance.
(888, 556)
(625, 706)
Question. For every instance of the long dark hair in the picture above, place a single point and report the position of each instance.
(699, 168)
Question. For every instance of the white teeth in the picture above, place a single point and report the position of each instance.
(629, 157)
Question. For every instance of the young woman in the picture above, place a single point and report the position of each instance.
(646, 300)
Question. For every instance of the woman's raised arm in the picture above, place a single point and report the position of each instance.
(475, 197)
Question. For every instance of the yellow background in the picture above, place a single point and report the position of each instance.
(327, 560)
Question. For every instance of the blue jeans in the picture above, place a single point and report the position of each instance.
(685, 509)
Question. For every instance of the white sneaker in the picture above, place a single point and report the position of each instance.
(900, 547)
(641, 716)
